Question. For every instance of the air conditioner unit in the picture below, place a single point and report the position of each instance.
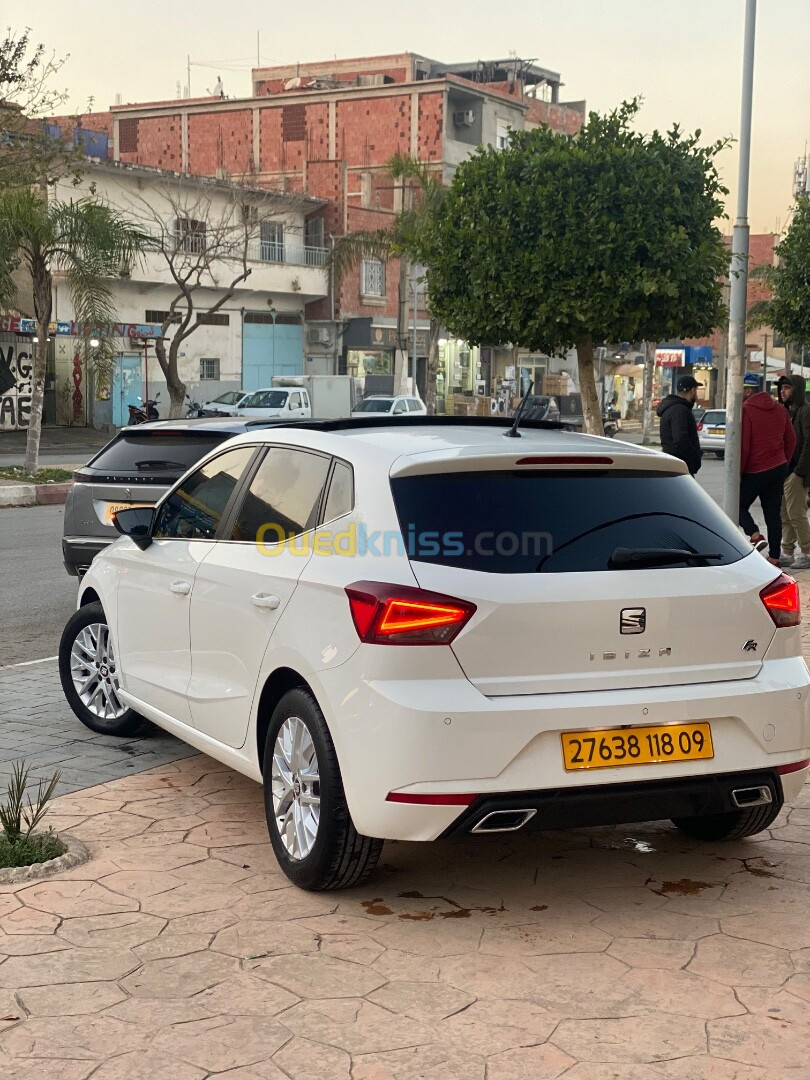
(464, 117)
(318, 335)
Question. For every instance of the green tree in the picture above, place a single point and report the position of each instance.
(788, 310)
(561, 241)
(84, 241)
(405, 239)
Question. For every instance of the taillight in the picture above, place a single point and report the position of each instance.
(700, 426)
(781, 598)
(400, 615)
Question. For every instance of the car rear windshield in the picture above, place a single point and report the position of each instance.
(135, 452)
(714, 418)
(556, 522)
(381, 405)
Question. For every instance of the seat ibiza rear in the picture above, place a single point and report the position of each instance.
(432, 630)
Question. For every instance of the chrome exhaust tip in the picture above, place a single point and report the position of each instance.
(503, 821)
(751, 796)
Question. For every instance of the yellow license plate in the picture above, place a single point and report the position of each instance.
(717, 431)
(113, 508)
(612, 747)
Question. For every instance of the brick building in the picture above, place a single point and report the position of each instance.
(329, 128)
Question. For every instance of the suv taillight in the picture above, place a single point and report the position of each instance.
(386, 614)
(781, 598)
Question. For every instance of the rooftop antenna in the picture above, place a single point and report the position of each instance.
(513, 432)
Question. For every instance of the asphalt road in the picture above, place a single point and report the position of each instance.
(37, 593)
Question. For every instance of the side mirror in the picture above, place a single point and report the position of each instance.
(136, 523)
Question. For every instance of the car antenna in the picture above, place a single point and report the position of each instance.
(513, 432)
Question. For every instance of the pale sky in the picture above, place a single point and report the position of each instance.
(683, 56)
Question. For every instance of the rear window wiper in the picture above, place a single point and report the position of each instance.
(633, 558)
(159, 463)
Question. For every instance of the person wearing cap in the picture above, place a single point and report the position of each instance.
(768, 442)
(795, 526)
(679, 435)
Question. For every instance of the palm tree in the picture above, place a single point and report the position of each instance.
(85, 241)
(403, 239)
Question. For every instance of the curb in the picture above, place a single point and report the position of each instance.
(18, 494)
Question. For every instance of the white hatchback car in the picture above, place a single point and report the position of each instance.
(415, 629)
(383, 405)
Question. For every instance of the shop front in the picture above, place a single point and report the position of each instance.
(672, 361)
(369, 352)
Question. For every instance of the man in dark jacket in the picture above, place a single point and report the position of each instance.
(679, 435)
(795, 526)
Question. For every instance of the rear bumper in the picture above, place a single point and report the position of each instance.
(614, 804)
(79, 551)
(437, 735)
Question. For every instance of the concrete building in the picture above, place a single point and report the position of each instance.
(207, 233)
(329, 128)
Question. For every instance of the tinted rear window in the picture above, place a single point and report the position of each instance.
(557, 522)
(172, 454)
(714, 418)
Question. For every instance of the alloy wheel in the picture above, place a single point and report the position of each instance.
(94, 673)
(296, 788)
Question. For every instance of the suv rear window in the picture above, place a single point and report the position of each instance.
(558, 522)
(170, 453)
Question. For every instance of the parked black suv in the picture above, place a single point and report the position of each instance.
(134, 469)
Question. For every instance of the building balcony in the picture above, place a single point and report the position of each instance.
(272, 251)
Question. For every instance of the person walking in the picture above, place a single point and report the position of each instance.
(768, 442)
(678, 429)
(795, 526)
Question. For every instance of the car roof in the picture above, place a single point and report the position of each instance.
(214, 424)
(435, 439)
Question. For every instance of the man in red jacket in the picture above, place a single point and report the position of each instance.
(768, 442)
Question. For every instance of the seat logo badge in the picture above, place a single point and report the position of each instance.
(633, 620)
(750, 646)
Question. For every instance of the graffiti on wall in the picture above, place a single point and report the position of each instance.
(15, 384)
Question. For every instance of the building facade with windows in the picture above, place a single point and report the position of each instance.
(330, 128)
(205, 235)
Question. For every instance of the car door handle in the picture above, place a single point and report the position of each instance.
(266, 600)
(181, 587)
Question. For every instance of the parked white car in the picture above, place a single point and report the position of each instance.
(226, 404)
(381, 405)
(287, 403)
(420, 631)
(711, 429)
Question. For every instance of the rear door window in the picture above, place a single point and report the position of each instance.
(133, 452)
(505, 522)
(283, 498)
(340, 499)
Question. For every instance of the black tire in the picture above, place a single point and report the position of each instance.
(732, 826)
(340, 857)
(127, 722)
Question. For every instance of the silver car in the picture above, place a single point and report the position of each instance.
(712, 432)
(134, 469)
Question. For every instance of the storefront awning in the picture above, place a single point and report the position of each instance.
(634, 371)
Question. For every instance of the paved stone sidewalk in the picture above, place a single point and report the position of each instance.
(180, 952)
(37, 726)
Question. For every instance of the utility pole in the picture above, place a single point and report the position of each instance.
(739, 281)
(649, 375)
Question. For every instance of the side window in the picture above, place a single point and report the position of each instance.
(414, 405)
(295, 401)
(194, 510)
(340, 499)
(400, 407)
(284, 496)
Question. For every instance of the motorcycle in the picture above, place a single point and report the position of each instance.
(147, 410)
(194, 407)
(610, 424)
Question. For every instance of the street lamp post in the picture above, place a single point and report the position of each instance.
(739, 281)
